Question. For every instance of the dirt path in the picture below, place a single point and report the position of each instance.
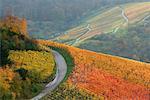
(124, 15)
(60, 74)
(125, 18)
(78, 39)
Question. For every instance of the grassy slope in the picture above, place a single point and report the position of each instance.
(107, 76)
(107, 21)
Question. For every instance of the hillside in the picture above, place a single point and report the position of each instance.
(40, 69)
(132, 42)
(50, 17)
(23, 71)
(97, 75)
(110, 20)
(121, 31)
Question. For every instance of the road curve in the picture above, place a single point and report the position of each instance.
(124, 15)
(60, 74)
(78, 39)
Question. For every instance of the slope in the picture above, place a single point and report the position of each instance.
(23, 71)
(132, 42)
(105, 76)
(60, 75)
(110, 20)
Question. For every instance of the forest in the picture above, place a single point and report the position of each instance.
(22, 67)
(54, 16)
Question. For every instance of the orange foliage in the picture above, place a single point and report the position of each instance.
(6, 76)
(113, 77)
(15, 24)
(96, 81)
(23, 26)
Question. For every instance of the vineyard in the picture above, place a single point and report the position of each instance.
(29, 72)
(109, 20)
(107, 76)
(68, 92)
(137, 12)
(40, 62)
(25, 67)
(28, 65)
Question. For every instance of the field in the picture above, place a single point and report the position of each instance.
(132, 42)
(25, 67)
(27, 74)
(137, 12)
(28, 65)
(68, 92)
(108, 21)
(39, 62)
(107, 76)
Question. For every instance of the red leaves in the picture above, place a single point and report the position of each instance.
(110, 76)
(109, 86)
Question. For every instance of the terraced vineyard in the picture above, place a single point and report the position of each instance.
(137, 12)
(105, 75)
(28, 66)
(108, 21)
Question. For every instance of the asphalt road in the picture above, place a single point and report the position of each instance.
(60, 74)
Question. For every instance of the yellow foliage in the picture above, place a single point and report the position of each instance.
(41, 62)
(131, 70)
(6, 76)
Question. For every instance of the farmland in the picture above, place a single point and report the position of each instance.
(33, 61)
(110, 20)
(132, 42)
(23, 71)
(34, 68)
(121, 77)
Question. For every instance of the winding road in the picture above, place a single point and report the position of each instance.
(60, 74)
(116, 29)
(78, 39)
(124, 15)
(125, 18)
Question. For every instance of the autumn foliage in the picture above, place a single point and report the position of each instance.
(14, 24)
(6, 77)
(106, 75)
(39, 62)
(23, 71)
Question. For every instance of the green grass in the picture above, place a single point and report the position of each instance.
(68, 58)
